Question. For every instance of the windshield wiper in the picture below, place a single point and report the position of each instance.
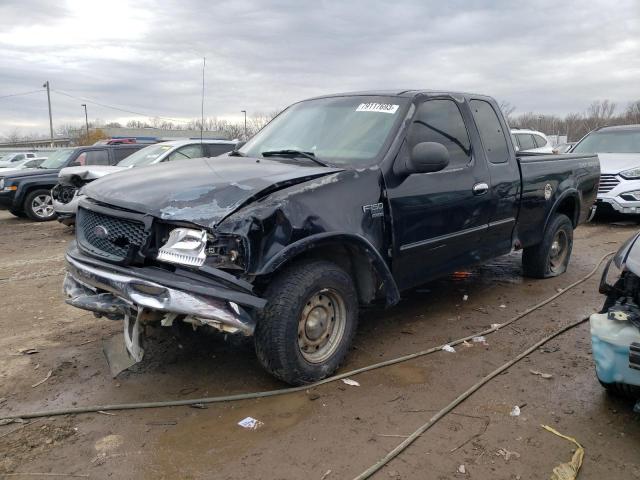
(294, 153)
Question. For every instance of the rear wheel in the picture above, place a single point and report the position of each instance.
(551, 256)
(39, 206)
(305, 331)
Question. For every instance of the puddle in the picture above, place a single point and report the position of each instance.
(212, 437)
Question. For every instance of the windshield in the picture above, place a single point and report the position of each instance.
(339, 130)
(610, 141)
(145, 156)
(58, 158)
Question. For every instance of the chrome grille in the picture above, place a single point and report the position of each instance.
(107, 236)
(607, 182)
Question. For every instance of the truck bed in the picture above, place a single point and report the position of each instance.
(562, 178)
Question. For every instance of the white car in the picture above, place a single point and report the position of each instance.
(22, 164)
(618, 149)
(66, 194)
(531, 141)
(10, 160)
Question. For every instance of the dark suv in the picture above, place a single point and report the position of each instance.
(28, 193)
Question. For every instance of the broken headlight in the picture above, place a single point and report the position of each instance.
(185, 246)
(612, 273)
(226, 251)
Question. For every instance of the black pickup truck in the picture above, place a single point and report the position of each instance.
(341, 202)
(27, 193)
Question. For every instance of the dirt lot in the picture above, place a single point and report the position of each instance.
(338, 428)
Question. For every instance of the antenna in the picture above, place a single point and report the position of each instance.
(204, 62)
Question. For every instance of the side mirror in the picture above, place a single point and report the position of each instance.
(428, 157)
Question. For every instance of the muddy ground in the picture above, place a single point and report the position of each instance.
(334, 431)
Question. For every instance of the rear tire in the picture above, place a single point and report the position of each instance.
(39, 206)
(551, 256)
(304, 332)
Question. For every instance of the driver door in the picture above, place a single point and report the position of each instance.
(438, 218)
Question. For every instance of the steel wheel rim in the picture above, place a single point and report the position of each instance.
(559, 249)
(42, 206)
(321, 326)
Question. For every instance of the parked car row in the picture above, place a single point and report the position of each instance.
(35, 192)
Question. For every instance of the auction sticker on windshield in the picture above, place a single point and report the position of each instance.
(377, 107)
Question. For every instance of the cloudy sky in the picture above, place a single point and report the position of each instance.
(146, 57)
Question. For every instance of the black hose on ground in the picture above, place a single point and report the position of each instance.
(462, 397)
(284, 391)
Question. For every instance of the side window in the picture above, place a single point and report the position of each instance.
(540, 141)
(440, 121)
(31, 155)
(526, 141)
(18, 157)
(122, 153)
(215, 149)
(97, 157)
(188, 151)
(491, 133)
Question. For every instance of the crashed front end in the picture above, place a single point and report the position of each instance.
(133, 267)
(615, 331)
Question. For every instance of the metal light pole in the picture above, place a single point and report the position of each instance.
(46, 85)
(86, 119)
(245, 123)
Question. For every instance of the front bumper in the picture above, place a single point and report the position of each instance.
(615, 358)
(6, 200)
(70, 208)
(117, 292)
(614, 196)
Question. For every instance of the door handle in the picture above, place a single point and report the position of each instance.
(480, 188)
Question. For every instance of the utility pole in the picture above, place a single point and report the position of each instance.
(204, 64)
(86, 119)
(245, 123)
(46, 85)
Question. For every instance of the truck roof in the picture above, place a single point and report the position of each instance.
(406, 93)
(635, 126)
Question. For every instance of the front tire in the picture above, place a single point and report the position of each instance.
(307, 326)
(622, 390)
(39, 206)
(17, 213)
(551, 256)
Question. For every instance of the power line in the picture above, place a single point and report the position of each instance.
(118, 108)
(19, 94)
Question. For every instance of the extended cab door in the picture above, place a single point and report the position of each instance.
(504, 173)
(439, 218)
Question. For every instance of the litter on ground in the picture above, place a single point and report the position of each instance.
(515, 411)
(540, 374)
(348, 381)
(449, 348)
(569, 470)
(250, 423)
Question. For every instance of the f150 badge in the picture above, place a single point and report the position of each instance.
(375, 209)
(548, 190)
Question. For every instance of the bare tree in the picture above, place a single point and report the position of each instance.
(507, 110)
(632, 112)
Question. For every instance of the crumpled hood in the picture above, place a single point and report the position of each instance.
(91, 172)
(617, 162)
(201, 191)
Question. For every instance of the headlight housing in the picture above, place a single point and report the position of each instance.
(226, 251)
(631, 174)
(185, 246)
(612, 273)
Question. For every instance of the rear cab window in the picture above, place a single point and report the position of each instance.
(526, 141)
(491, 132)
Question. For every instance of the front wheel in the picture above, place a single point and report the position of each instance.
(39, 206)
(551, 256)
(307, 326)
